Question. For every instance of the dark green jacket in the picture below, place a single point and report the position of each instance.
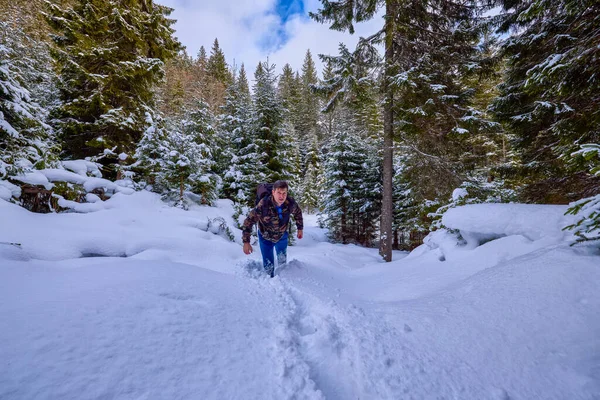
(270, 225)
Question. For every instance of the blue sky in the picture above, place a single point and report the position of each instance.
(250, 31)
(288, 8)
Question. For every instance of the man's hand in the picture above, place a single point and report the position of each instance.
(300, 234)
(247, 248)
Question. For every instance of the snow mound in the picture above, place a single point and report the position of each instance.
(496, 220)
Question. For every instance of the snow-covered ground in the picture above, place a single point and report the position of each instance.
(138, 300)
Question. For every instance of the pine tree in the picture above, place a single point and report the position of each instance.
(307, 113)
(308, 107)
(430, 50)
(288, 156)
(202, 59)
(345, 210)
(549, 98)
(199, 127)
(26, 140)
(217, 66)
(110, 56)
(242, 172)
(310, 185)
(435, 100)
(326, 117)
(288, 91)
(587, 227)
(233, 132)
(368, 193)
(175, 156)
(200, 73)
(150, 164)
(267, 121)
(343, 15)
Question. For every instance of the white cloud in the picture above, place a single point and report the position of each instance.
(241, 27)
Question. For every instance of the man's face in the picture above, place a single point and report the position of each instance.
(279, 195)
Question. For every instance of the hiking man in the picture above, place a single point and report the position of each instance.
(273, 216)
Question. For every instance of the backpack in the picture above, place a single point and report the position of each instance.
(262, 191)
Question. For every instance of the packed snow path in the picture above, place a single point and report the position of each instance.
(183, 314)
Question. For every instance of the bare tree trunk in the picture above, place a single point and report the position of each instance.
(385, 244)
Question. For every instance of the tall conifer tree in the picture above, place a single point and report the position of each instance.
(549, 98)
(309, 106)
(26, 140)
(216, 65)
(243, 171)
(109, 54)
(343, 15)
(268, 119)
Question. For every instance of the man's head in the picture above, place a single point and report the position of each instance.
(280, 191)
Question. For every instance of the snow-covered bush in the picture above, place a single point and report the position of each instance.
(219, 226)
(587, 227)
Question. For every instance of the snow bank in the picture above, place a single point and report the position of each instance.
(531, 226)
(495, 220)
(73, 172)
(8, 190)
(140, 300)
(123, 226)
(34, 178)
(82, 167)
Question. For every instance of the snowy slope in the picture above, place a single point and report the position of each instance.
(142, 301)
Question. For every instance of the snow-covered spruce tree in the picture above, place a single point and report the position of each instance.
(343, 15)
(367, 196)
(308, 108)
(288, 90)
(587, 227)
(216, 79)
(406, 216)
(110, 55)
(150, 155)
(549, 98)
(228, 120)
(216, 66)
(235, 131)
(310, 185)
(243, 171)
(178, 165)
(349, 83)
(198, 127)
(26, 89)
(475, 152)
(288, 156)
(175, 157)
(336, 193)
(344, 163)
(436, 118)
(267, 120)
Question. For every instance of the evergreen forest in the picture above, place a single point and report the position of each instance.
(451, 102)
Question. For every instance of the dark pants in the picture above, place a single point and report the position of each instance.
(267, 247)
